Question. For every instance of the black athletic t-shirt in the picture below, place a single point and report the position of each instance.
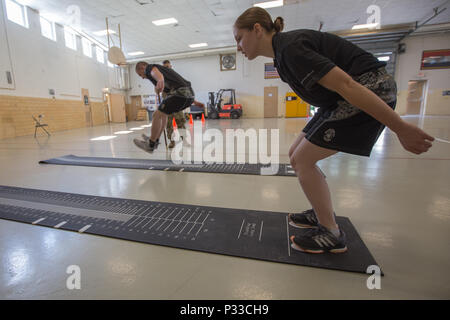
(172, 80)
(303, 57)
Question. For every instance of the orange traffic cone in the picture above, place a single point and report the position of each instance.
(190, 119)
(174, 123)
(203, 118)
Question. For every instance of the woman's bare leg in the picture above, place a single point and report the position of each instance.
(313, 182)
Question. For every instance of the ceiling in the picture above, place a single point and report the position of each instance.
(211, 21)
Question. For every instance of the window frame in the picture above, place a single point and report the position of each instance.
(52, 26)
(86, 41)
(23, 10)
(73, 38)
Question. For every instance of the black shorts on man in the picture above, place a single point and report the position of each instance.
(177, 100)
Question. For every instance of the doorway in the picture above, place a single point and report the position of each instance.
(417, 96)
(136, 105)
(270, 102)
(87, 107)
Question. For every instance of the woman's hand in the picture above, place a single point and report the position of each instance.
(414, 139)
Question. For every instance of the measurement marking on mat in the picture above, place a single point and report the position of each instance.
(203, 223)
(187, 222)
(59, 225)
(288, 240)
(239, 235)
(37, 221)
(194, 223)
(84, 228)
(180, 221)
(173, 220)
(151, 218)
(159, 218)
(260, 232)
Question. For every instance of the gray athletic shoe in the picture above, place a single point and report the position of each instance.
(144, 145)
(147, 139)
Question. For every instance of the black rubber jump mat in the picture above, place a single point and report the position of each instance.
(167, 165)
(251, 234)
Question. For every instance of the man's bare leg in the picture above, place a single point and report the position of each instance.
(158, 124)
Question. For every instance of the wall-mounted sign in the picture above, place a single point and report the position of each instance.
(149, 102)
(435, 59)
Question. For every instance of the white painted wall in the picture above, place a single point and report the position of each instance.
(408, 64)
(408, 68)
(40, 64)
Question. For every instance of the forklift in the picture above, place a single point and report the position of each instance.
(217, 108)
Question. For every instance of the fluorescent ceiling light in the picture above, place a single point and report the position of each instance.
(135, 53)
(385, 58)
(103, 138)
(198, 45)
(103, 32)
(269, 4)
(365, 26)
(123, 132)
(165, 21)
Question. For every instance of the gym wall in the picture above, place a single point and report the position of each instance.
(408, 68)
(38, 64)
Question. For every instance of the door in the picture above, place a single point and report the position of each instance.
(416, 97)
(87, 106)
(118, 108)
(295, 106)
(136, 105)
(270, 102)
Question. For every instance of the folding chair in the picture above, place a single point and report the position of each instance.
(38, 124)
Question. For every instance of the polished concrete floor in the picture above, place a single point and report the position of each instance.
(399, 203)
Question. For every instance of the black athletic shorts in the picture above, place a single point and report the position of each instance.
(346, 128)
(177, 100)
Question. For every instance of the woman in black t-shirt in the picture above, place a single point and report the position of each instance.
(355, 96)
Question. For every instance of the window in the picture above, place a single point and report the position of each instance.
(87, 47)
(71, 39)
(110, 65)
(48, 28)
(16, 13)
(100, 56)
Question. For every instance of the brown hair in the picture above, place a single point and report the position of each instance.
(140, 64)
(258, 15)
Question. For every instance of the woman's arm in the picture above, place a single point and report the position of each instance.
(158, 76)
(412, 138)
